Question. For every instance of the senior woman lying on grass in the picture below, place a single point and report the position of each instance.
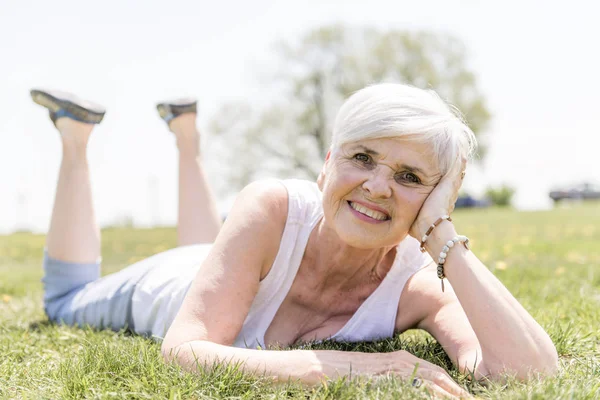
(366, 252)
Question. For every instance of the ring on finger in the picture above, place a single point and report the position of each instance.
(462, 175)
(417, 382)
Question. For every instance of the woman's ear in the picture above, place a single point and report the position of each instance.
(321, 177)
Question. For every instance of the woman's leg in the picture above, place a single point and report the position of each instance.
(198, 218)
(74, 293)
(73, 235)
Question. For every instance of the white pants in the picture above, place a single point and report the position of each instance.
(143, 298)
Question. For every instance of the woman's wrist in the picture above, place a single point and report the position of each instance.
(438, 238)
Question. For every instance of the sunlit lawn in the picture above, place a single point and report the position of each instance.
(550, 260)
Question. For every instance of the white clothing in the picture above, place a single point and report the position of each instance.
(158, 296)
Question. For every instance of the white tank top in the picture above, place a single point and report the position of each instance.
(160, 293)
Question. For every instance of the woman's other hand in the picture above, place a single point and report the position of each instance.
(423, 374)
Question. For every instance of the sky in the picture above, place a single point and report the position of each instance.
(537, 63)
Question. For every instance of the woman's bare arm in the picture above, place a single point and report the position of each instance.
(313, 367)
(509, 340)
(424, 306)
(220, 297)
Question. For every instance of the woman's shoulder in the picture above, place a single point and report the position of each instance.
(257, 221)
(266, 187)
(264, 196)
(305, 201)
(284, 193)
(300, 185)
(279, 202)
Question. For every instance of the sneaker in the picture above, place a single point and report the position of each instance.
(172, 109)
(61, 104)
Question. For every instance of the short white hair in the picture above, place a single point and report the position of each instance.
(393, 110)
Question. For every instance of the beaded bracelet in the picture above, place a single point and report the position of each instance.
(444, 253)
(436, 223)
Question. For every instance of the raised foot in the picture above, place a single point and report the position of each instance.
(168, 110)
(62, 104)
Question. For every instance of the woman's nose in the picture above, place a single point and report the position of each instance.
(378, 185)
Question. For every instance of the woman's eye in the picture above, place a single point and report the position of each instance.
(408, 177)
(363, 158)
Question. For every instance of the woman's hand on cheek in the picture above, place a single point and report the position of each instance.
(440, 201)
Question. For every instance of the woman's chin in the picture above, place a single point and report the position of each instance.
(362, 239)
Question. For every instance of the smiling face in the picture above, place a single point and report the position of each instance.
(373, 190)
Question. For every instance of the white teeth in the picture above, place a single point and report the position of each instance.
(367, 211)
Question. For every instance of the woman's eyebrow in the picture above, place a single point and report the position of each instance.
(412, 169)
(366, 150)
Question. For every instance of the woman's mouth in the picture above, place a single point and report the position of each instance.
(365, 211)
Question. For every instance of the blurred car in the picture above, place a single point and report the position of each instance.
(584, 191)
(468, 201)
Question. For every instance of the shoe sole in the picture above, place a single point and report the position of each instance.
(55, 101)
(172, 109)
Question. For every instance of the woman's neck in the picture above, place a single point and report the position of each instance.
(343, 267)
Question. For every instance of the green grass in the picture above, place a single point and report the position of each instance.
(549, 260)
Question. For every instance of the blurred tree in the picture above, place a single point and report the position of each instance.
(291, 136)
(501, 196)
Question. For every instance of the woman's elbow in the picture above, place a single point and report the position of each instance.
(544, 362)
(175, 352)
(192, 356)
(174, 346)
(548, 363)
(542, 365)
(182, 356)
(169, 352)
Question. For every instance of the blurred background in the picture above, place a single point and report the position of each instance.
(269, 77)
